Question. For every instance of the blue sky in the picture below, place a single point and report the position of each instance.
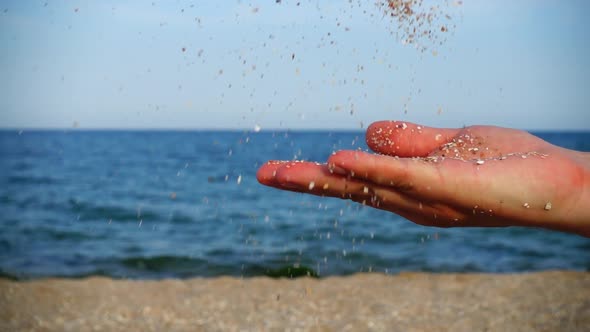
(319, 64)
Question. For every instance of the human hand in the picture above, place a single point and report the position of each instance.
(474, 176)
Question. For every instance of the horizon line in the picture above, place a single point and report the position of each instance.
(243, 129)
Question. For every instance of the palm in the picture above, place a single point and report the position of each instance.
(475, 176)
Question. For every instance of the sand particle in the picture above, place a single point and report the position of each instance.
(420, 23)
(311, 185)
(548, 206)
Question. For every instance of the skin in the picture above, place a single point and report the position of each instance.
(480, 176)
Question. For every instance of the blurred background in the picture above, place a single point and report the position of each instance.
(132, 131)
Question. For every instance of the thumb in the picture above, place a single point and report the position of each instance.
(406, 139)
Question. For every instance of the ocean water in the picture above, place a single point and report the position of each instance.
(158, 204)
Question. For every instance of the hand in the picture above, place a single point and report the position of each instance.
(474, 176)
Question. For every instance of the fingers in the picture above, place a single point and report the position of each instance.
(479, 187)
(266, 174)
(447, 181)
(309, 177)
(409, 175)
(405, 139)
(357, 175)
(318, 179)
(322, 180)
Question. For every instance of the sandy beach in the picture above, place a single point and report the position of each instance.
(546, 301)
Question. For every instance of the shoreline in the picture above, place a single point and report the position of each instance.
(410, 301)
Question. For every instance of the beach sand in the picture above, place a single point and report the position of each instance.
(546, 301)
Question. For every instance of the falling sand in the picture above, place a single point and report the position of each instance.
(416, 23)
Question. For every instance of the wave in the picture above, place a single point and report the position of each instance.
(178, 218)
(24, 276)
(62, 234)
(186, 267)
(91, 211)
(163, 263)
(32, 180)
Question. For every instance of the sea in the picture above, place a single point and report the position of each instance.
(178, 204)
